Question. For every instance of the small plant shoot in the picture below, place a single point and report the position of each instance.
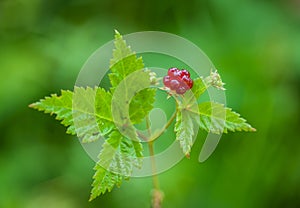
(94, 113)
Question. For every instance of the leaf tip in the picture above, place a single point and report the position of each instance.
(91, 198)
(116, 31)
(117, 34)
(32, 105)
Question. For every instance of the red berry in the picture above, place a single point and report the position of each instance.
(166, 81)
(174, 84)
(171, 71)
(181, 90)
(178, 80)
(185, 73)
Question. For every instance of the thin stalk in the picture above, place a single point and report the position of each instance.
(151, 152)
(157, 195)
(170, 121)
(153, 166)
(164, 128)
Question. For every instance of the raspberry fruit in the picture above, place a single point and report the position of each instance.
(178, 80)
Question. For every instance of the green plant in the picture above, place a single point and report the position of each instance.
(93, 113)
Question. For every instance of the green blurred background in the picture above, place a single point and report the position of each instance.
(254, 44)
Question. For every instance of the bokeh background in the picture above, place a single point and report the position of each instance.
(254, 44)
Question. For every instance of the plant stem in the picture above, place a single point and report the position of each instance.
(148, 126)
(142, 136)
(165, 127)
(153, 166)
(151, 152)
(156, 194)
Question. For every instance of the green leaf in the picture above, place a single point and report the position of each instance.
(123, 62)
(141, 105)
(104, 181)
(116, 161)
(216, 118)
(59, 105)
(77, 111)
(189, 99)
(123, 65)
(138, 149)
(199, 87)
(103, 109)
(184, 130)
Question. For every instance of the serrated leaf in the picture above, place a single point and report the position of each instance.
(117, 154)
(77, 111)
(59, 105)
(104, 181)
(116, 161)
(184, 130)
(138, 149)
(216, 118)
(123, 64)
